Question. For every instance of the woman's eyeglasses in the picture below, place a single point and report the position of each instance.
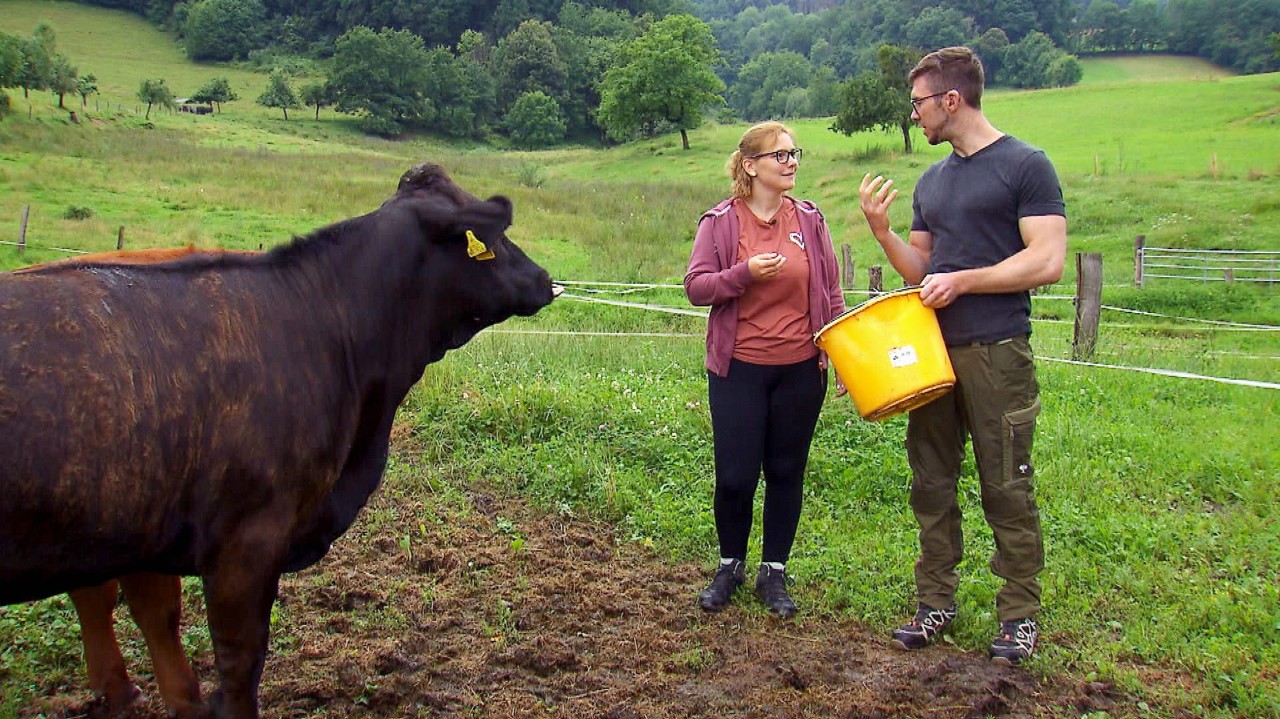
(781, 155)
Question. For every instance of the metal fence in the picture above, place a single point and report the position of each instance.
(1261, 266)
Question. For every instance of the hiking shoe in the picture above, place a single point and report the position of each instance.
(727, 580)
(771, 587)
(1015, 643)
(924, 628)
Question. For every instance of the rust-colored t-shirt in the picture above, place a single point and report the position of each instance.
(773, 315)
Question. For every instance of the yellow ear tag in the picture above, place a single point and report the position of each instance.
(476, 249)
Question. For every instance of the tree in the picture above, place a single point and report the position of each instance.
(86, 86)
(380, 75)
(765, 82)
(279, 94)
(824, 92)
(880, 99)
(10, 67)
(1105, 26)
(535, 120)
(458, 96)
(10, 61)
(224, 29)
(936, 27)
(215, 92)
(155, 92)
(1147, 21)
(1065, 70)
(663, 76)
(528, 60)
(587, 57)
(1026, 62)
(316, 94)
(37, 59)
(63, 78)
(990, 47)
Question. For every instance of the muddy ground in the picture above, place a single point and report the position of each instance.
(508, 612)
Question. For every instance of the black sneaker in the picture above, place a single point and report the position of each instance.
(924, 628)
(1015, 643)
(771, 587)
(727, 580)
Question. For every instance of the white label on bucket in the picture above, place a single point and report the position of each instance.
(903, 356)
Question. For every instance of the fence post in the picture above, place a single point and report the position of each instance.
(847, 277)
(1088, 304)
(1229, 275)
(120, 238)
(876, 276)
(22, 229)
(1139, 254)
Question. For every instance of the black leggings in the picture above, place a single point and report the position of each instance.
(763, 417)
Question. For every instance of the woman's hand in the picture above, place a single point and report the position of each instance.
(766, 266)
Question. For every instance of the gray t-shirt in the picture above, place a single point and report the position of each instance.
(971, 205)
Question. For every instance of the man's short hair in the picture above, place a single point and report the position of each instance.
(952, 68)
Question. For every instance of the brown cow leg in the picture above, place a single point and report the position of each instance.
(155, 600)
(238, 595)
(103, 662)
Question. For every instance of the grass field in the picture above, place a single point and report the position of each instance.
(1158, 493)
(1147, 68)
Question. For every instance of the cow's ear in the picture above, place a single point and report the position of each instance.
(483, 220)
(487, 219)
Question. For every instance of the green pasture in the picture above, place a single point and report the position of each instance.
(1158, 494)
(1147, 68)
(121, 49)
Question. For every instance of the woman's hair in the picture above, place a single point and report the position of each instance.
(759, 138)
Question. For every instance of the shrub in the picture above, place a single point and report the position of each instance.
(75, 212)
(531, 174)
(1064, 71)
(535, 120)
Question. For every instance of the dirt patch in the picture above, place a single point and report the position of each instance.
(509, 612)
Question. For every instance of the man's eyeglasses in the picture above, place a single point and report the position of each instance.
(781, 155)
(916, 102)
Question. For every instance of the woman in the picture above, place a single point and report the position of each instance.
(764, 262)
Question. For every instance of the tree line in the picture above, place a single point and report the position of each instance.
(535, 72)
(1236, 34)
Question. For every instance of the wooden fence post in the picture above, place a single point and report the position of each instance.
(1139, 252)
(847, 277)
(1088, 304)
(22, 229)
(120, 238)
(876, 284)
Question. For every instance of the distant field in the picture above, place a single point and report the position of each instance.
(122, 49)
(1147, 68)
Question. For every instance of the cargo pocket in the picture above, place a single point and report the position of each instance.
(1019, 430)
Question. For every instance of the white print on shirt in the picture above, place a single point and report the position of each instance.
(797, 238)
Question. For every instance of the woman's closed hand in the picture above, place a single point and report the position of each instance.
(766, 266)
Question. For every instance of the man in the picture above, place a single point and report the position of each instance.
(988, 224)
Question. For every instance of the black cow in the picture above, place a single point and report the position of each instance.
(228, 417)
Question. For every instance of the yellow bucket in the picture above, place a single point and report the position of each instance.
(889, 353)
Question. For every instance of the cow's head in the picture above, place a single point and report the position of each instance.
(475, 268)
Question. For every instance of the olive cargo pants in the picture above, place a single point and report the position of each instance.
(995, 403)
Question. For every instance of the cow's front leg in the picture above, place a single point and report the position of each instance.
(239, 590)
